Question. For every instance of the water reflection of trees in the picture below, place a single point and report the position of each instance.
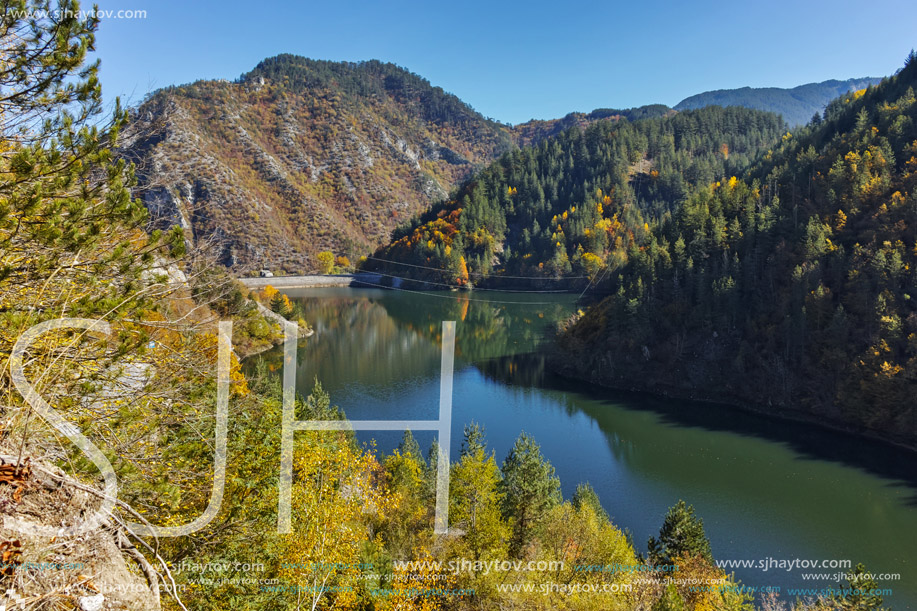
(487, 327)
(527, 370)
(356, 339)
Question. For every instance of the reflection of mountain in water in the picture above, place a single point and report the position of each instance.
(486, 326)
(600, 404)
(356, 339)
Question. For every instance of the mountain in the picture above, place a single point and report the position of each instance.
(791, 289)
(299, 156)
(533, 131)
(797, 105)
(563, 206)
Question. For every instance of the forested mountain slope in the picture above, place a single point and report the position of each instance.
(791, 288)
(797, 105)
(564, 206)
(300, 156)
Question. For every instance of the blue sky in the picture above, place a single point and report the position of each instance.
(514, 60)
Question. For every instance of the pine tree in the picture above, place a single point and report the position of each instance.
(862, 586)
(585, 496)
(72, 241)
(682, 534)
(670, 600)
(410, 446)
(530, 487)
(474, 439)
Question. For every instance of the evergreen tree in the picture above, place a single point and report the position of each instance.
(670, 600)
(530, 489)
(474, 439)
(682, 534)
(862, 586)
(585, 496)
(409, 446)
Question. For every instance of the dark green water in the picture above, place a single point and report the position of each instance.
(764, 489)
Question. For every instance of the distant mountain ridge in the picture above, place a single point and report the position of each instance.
(797, 105)
(535, 130)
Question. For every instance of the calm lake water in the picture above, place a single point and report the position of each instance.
(765, 489)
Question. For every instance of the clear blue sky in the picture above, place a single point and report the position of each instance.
(514, 60)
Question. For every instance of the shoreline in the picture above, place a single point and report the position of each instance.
(372, 280)
(280, 320)
(313, 281)
(773, 412)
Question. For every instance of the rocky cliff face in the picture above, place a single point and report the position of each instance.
(300, 156)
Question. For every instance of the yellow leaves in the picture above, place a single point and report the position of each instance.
(269, 292)
(787, 136)
(858, 94)
(724, 149)
(852, 158)
(888, 370)
(592, 263)
(237, 378)
(840, 220)
(462, 271)
(333, 488)
(408, 584)
(511, 191)
(733, 182)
